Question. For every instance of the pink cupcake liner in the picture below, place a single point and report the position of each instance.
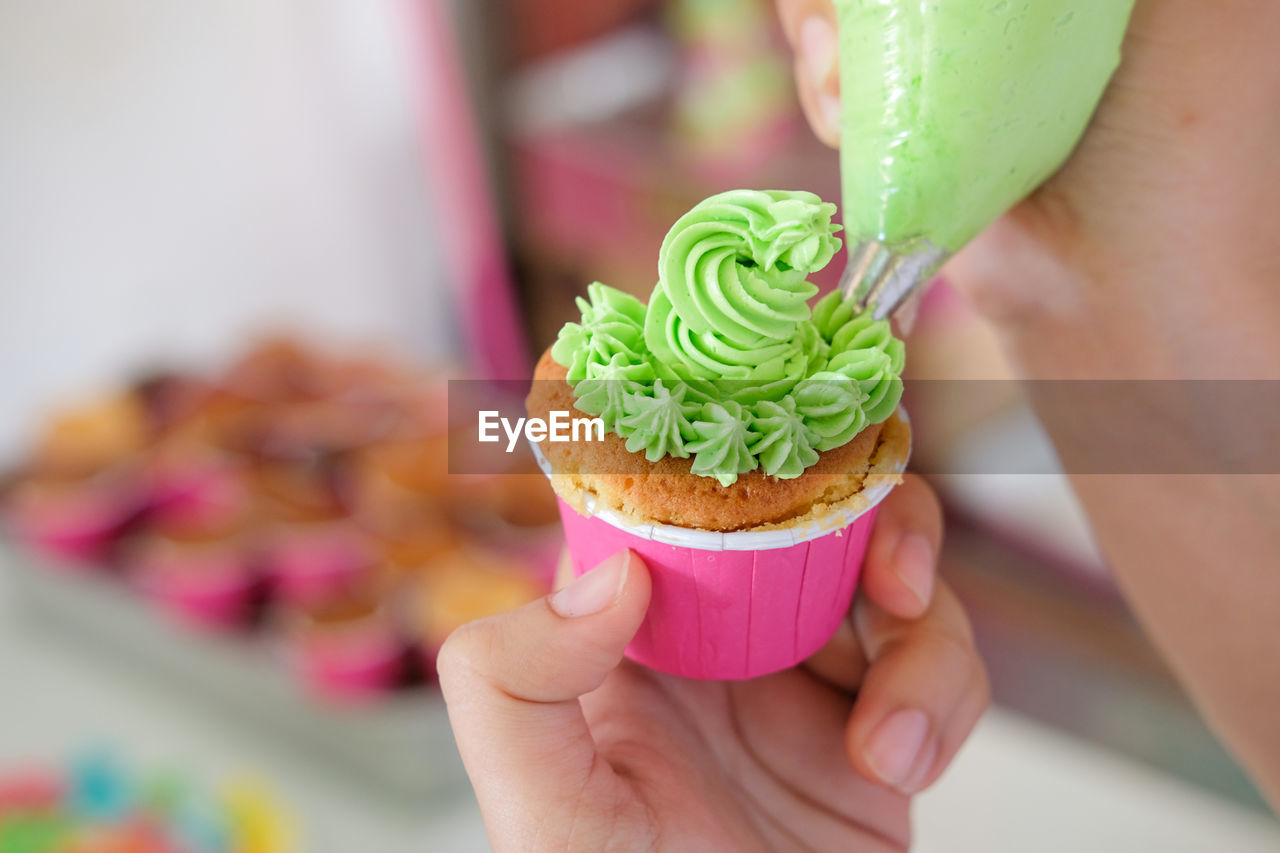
(349, 668)
(306, 566)
(196, 496)
(76, 527)
(213, 590)
(733, 606)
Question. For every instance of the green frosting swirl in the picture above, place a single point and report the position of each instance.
(728, 363)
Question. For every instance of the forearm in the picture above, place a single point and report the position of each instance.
(1196, 557)
(1162, 458)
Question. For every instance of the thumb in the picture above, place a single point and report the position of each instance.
(512, 683)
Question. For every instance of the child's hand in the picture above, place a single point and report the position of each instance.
(568, 750)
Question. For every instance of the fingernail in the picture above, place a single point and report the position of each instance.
(895, 745)
(916, 781)
(829, 108)
(818, 44)
(595, 590)
(913, 563)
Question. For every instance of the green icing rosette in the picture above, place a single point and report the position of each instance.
(659, 424)
(608, 387)
(833, 407)
(728, 362)
(612, 325)
(866, 351)
(723, 438)
(785, 443)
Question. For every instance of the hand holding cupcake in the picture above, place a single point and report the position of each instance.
(568, 744)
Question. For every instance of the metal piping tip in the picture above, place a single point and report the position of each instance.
(884, 279)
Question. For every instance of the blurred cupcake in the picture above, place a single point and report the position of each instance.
(206, 578)
(345, 647)
(75, 522)
(303, 430)
(171, 399)
(407, 549)
(462, 586)
(88, 439)
(276, 369)
(396, 476)
(288, 492)
(313, 562)
(195, 485)
(517, 514)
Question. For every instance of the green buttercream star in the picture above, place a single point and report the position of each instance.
(659, 424)
(831, 313)
(722, 448)
(873, 370)
(604, 394)
(785, 443)
(832, 407)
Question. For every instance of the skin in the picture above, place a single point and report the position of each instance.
(571, 748)
(1152, 255)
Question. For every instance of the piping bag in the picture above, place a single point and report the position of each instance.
(953, 112)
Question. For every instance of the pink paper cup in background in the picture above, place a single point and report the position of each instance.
(733, 606)
(357, 670)
(209, 587)
(196, 491)
(350, 660)
(309, 562)
(73, 524)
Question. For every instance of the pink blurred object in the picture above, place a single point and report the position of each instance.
(470, 232)
(310, 562)
(73, 523)
(208, 585)
(721, 614)
(351, 671)
(196, 492)
(31, 790)
(344, 656)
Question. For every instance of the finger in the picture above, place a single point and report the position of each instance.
(924, 689)
(512, 683)
(953, 734)
(898, 575)
(902, 555)
(811, 29)
(564, 571)
(841, 663)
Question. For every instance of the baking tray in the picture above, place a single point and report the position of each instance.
(400, 743)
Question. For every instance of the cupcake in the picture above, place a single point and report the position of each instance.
(195, 485)
(76, 523)
(739, 437)
(312, 562)
(81, 442)
(205, 578)
(346, 646)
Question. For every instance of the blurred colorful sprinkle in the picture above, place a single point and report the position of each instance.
(97, 806)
